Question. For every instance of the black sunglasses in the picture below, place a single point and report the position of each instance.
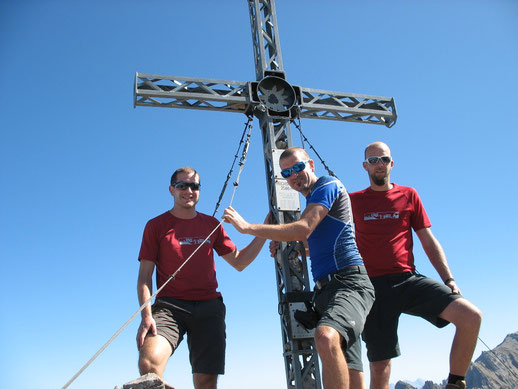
(374, 160)
(182, 185)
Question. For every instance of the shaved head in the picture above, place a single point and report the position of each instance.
(375, 148)
(379, 171)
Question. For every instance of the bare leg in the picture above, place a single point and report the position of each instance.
(467, 319)
(205, 381)
(154, 355)
(356, 379)
(335, 373)
(380, 374)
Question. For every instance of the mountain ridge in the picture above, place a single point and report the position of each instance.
(493, 369)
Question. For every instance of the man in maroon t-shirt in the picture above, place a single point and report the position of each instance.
(385, 215)
(190, 303)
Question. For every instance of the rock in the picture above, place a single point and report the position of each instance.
(431, 385)
(148, 381)
(497, 368)
(403, 385)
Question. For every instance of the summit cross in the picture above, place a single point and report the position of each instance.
(276, 103)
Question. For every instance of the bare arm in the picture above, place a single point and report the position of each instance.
(437, 257)
(240, 259)
(144, 289)
(298, 230)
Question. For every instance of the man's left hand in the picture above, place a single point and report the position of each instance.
(453, 286)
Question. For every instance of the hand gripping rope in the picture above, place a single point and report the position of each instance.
(248, 125)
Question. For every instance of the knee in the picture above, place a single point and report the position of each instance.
(327, 339)
(380, 367)
(146, 364)
(205, 381)
(474, 317)
(467, 316)
(151, 360)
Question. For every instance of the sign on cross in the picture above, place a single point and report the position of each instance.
(275, 103)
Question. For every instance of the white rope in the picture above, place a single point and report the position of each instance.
(171, 277)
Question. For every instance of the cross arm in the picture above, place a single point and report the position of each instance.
(194, 93)
(321, 104)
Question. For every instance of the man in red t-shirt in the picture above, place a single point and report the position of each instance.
(190, 303)
(385, 215)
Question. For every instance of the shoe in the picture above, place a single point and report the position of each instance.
(458, 385)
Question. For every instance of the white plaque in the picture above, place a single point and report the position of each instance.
(287, 199)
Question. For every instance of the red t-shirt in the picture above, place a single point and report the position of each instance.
(168, 241)
(384, 222)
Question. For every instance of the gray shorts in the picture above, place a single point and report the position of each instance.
(409, 293)
(204, 324)
(343, 304)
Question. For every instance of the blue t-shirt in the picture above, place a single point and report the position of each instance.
(332, 245)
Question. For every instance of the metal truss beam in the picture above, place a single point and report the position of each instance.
(299, 351)
(236, 96)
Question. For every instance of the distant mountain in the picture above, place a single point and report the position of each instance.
(495, 369)
(426, 385)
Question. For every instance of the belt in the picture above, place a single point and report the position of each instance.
(355, 269)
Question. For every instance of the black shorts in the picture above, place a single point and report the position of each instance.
(204, 323)
(343, 304)
(409, 293)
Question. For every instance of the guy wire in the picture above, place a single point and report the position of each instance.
(229, 174)
(304, 139)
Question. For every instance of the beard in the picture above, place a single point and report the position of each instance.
(379, 181)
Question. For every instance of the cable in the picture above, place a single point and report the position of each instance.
(249, 126)
(304, 139)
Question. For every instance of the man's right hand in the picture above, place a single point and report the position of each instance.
(147, 324)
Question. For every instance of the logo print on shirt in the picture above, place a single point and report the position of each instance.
(192, 241)
(381, 215)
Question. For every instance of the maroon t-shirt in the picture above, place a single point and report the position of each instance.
(168, 241)
(384, 222)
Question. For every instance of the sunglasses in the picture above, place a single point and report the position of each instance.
(297, 168)
(374, 160)
(182, 185)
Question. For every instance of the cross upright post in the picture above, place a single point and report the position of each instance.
(275, 103)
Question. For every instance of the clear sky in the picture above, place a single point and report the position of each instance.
(82, 170)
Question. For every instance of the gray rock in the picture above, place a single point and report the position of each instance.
(496, 369)
(403, 385)
(431, 385)
(148, 381)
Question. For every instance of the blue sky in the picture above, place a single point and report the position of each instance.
(82, 170)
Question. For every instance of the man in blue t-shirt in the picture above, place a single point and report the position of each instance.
(343, 292)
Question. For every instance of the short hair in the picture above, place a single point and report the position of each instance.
(290, 151)
(185, 169)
